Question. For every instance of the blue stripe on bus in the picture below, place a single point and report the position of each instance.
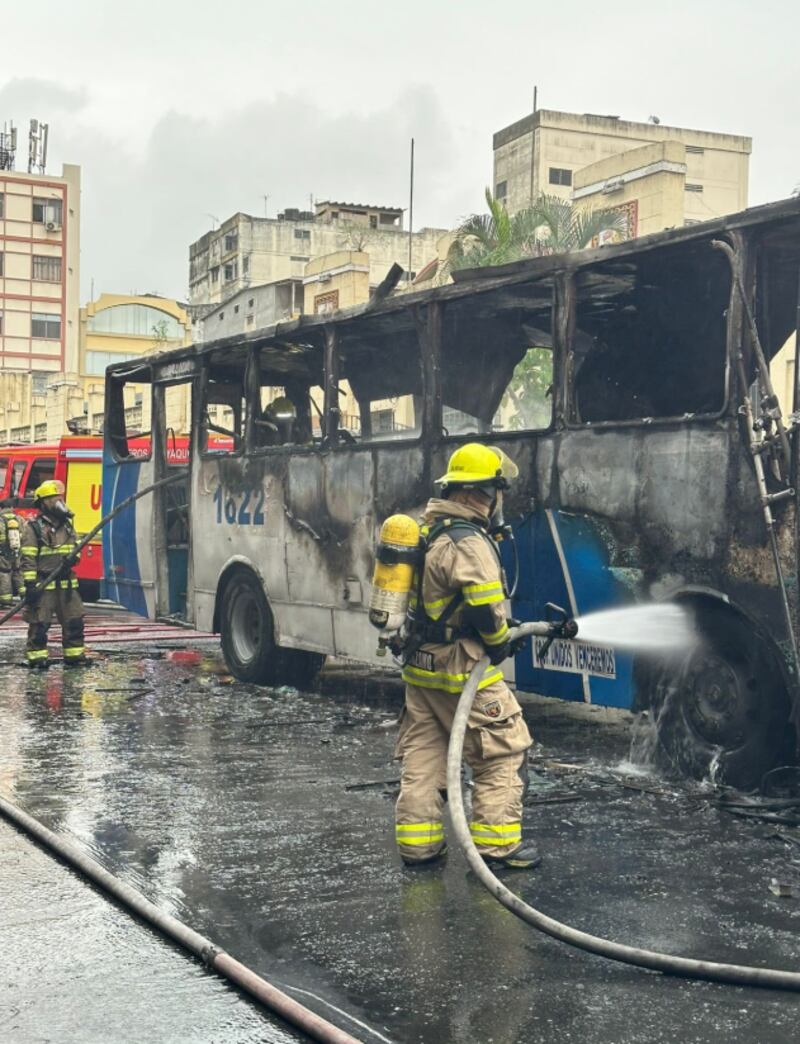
(120, 552)
(542, 580)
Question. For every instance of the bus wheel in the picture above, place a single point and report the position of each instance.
(724, 711)
(248, 642)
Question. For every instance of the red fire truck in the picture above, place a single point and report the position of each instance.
(77, 461)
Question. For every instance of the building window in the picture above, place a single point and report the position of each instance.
(1, 262)
(697, 150)
(302, 233)
(45, 326)
(137, 320)
(693, 188)
(1, 324)
(229, 273)
(295, 257)
(215, 275)
(221, 316)
(251, 302)
(39, 383)
(231, 241)
(560, 176)
(373, 221)
(501, 190)
(47, 269)
(96, 362)
(334, 215)
(47, 210)
(2, 205)
(235, 309)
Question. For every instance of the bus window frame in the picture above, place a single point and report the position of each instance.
(202, 380)
(116, 380)
(253, 388)
(570, 404)
(429, 383)
(558, 393)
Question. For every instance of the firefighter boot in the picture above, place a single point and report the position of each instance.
(524, 857)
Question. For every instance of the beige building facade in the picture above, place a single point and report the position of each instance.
(250, 251)
(542, 152)
(39, 295)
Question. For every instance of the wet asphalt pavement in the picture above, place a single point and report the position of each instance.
(263, 818)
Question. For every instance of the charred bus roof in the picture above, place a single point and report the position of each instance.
(296, 347)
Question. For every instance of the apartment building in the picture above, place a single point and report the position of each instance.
(39, 293)
(542, 152)
(247, 251)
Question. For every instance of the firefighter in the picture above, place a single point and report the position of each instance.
(462, 616)
(49, 540)
(11, 583)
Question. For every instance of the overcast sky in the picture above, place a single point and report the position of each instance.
(181, 109)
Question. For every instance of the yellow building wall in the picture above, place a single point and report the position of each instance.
(782, 372)
(651, 180)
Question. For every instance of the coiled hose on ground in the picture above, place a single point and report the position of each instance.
(687, 967)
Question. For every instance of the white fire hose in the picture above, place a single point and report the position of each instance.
(733, 974)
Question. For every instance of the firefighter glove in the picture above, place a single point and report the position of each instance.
(32, 596)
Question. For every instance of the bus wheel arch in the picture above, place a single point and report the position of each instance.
(723, 709)
(243, 617)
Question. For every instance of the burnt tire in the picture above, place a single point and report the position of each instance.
(723, 710)
(248, 638)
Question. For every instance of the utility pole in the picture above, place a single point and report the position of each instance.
(411, 214)
(533, 138)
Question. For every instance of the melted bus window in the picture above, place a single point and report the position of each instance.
(650, 336)
(289, 400)
(380, 386)
(497, 366)
(129, 412)
(223, 409)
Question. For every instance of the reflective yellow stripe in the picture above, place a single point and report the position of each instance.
(419, 833)
(484, 594)
(493, 834)
(448, 682)
(29, 549)
(496, 637)
(74, 651)
(62, 549)
(29, 575)
(436, 608)
(36, 654)
(51, 587)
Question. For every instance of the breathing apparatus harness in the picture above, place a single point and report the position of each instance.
(418, 628)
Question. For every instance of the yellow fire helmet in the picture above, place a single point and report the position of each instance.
(281, 408)
(50, 488)
(476, 465)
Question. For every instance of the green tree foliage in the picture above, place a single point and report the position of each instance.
(550, 225)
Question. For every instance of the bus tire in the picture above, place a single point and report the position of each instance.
(723, 710)
(248, 638)
(89, 590)
(247, 630)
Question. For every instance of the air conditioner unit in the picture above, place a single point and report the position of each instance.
(612, 185)
(53, 226)
(324, 277)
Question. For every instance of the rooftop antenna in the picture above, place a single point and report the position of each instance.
(37, 147)
(214, 220)
(266, 201)
(8, 146)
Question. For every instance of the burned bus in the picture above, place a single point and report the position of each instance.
(630, 384)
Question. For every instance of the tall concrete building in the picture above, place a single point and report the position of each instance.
(39, 292)
(542, 152)
(249, 251)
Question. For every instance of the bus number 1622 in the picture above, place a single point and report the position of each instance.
(245, 513)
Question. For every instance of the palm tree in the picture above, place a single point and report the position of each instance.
(550, 225)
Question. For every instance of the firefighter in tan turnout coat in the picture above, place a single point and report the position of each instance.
(463, 616)
(11, 583)
(48, 540)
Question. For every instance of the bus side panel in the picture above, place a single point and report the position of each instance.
(127, 540)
